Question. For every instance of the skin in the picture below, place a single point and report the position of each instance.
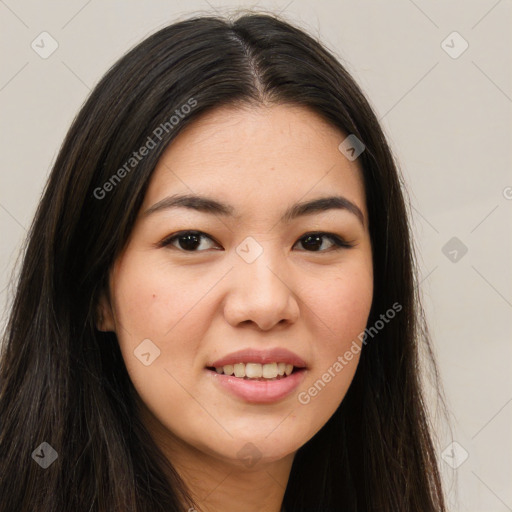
(199, 306)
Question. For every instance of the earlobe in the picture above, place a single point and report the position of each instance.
(104, 315)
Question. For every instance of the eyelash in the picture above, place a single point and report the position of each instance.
(339, 243)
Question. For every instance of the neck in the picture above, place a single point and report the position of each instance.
(217, 486)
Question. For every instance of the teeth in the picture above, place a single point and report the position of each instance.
(253, 370)
(270, 371)
(256, 370)
(239, 370)
(228, 369)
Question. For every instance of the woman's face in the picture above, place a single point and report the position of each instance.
(247, 290)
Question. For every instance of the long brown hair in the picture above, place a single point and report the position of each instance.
(65, 383)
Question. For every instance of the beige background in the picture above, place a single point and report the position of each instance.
(448, 120)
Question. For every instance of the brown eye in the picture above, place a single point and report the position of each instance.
(188, 241)
(313, 242)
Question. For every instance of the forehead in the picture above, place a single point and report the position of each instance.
(257, 157)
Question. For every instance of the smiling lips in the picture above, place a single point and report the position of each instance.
(256, 370)
(259, 376)
(258, 364)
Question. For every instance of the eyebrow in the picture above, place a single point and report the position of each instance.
(213, 207)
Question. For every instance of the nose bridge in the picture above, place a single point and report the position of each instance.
(261, 290)
(258, 271)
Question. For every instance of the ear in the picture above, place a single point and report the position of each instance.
(104, 314)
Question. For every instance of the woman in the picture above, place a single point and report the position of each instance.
(217, 307)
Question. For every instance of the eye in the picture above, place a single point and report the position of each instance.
(192, 241)
(188, 241)
(315, 242)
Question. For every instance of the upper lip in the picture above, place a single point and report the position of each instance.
(274, 355)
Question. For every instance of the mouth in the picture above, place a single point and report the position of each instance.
(256, 371)
(258, 376)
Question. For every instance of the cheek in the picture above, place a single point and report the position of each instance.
(172, 311)
(156, 301)
(340, 310)
(342, 306)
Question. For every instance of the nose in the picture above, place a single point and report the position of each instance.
(262, 293)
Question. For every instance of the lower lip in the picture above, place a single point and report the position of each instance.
(257, 391)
